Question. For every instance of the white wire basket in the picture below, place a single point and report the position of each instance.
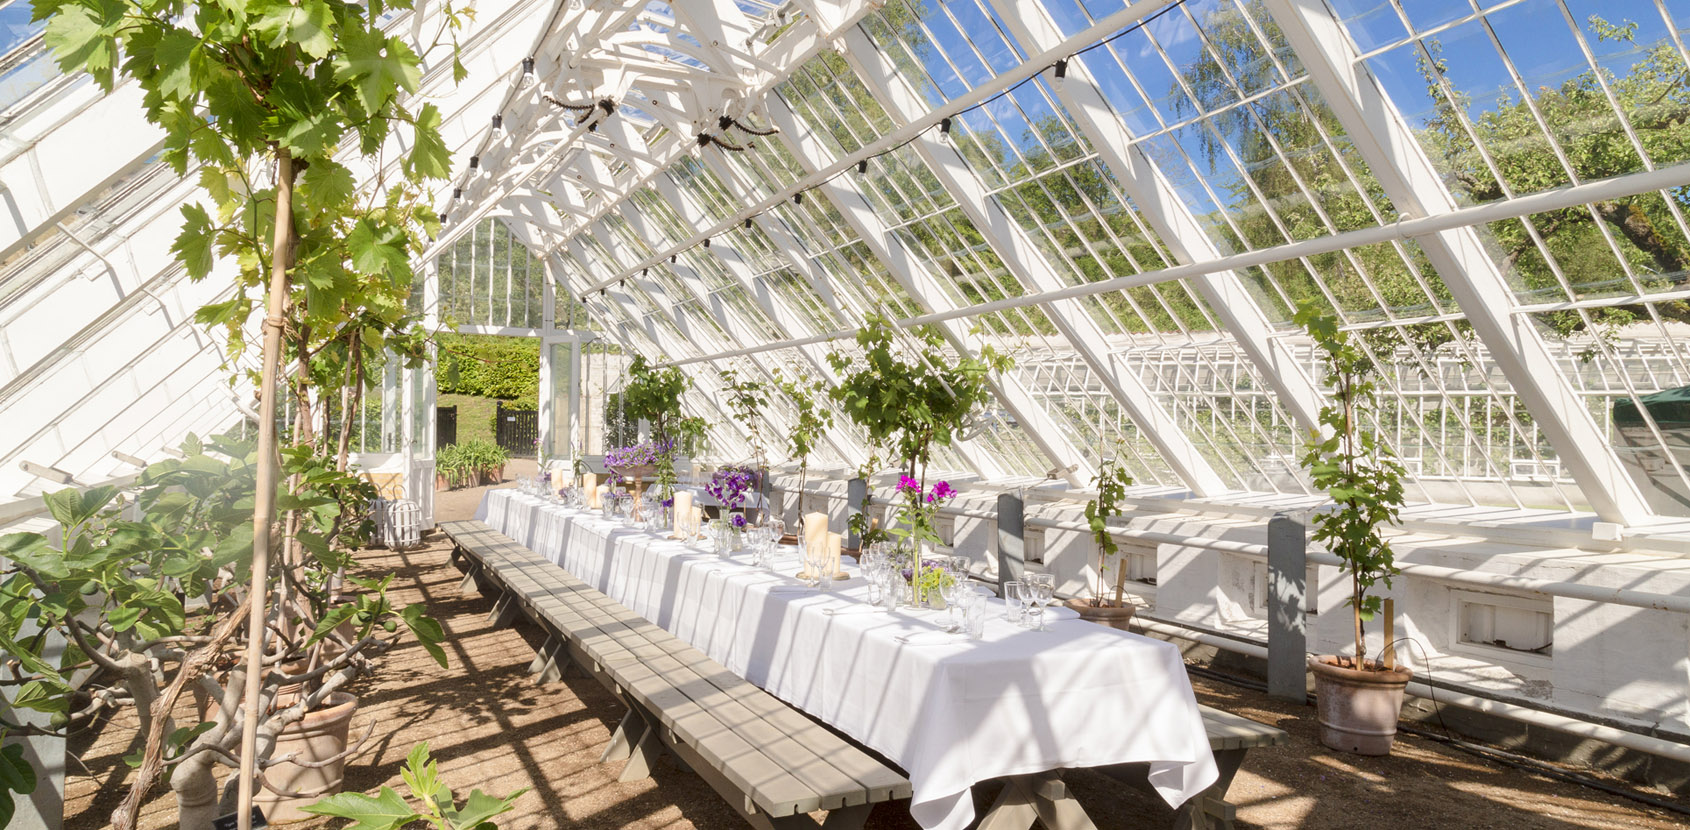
(402, 526)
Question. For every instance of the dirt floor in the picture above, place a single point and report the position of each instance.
(491, 726)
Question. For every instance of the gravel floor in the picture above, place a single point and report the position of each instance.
(491, 726)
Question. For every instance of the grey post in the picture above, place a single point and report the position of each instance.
(1012, 539)
(1287, 615)
(855, 491)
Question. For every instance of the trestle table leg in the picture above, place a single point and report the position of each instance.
(1209, 809)
(1043, 797)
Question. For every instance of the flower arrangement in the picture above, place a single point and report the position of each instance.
(730, 484)
(922, 506)
(643, 454)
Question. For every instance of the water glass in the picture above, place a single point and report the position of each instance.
(973, 603)
(1015, 602)
(893, 589)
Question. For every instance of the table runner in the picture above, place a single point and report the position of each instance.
(952, 712)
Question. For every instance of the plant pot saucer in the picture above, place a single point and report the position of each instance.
(1114, 616)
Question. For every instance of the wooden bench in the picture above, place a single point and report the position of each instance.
(771, 763)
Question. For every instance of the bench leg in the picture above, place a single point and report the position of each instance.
(543, 657)
(471, 586)
(847, 818)
(1209, 809)
(622, 741)
(504, 611)
(643, 758)
(1043, 797)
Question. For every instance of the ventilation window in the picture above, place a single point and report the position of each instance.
(1517, 626)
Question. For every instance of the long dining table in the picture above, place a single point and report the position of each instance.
(951, 711)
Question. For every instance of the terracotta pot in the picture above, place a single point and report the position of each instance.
(1358, 708)
(441, 482)
(320, 734)
(1114, 616)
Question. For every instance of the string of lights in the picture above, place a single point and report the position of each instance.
(1058, 71)
(586, 110)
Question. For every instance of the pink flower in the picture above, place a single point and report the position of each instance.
(943, 491)
(908, 484)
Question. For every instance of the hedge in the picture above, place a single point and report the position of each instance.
(486, 366)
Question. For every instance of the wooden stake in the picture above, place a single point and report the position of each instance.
(1389, 655)
(264, 497)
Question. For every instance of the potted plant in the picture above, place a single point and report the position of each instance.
(812, 421)
(1358, 699)
(1115, 612)
(746, 399)
(654, 395)
(913, 403)
(116, 586)
(258, 105)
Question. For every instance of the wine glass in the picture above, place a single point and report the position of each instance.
(1043, 589)
(951, 589)
(1015, 605)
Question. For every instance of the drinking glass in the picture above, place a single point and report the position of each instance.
(959, 567)
(1043, 589)
(952, 590)
(1015, 607)
(892, 588)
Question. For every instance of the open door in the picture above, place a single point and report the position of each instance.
(560, 398)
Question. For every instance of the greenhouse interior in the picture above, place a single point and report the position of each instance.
(944, 414)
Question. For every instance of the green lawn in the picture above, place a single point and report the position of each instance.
(475, 415)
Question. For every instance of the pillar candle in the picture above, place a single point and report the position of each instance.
(815, 536)
(590, 488)
(683, 512)
(835, 542)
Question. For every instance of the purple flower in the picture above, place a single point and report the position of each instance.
(669, 502)
(908, 484)
(738, 520)
(730, 484)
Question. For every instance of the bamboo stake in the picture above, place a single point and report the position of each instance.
(1389, 656)
(264, 499)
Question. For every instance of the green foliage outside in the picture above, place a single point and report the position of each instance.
(506, 368)
(1355, 468)
(467, 462)
(432, 799)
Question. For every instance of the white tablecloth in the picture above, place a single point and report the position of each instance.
(950, 711)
